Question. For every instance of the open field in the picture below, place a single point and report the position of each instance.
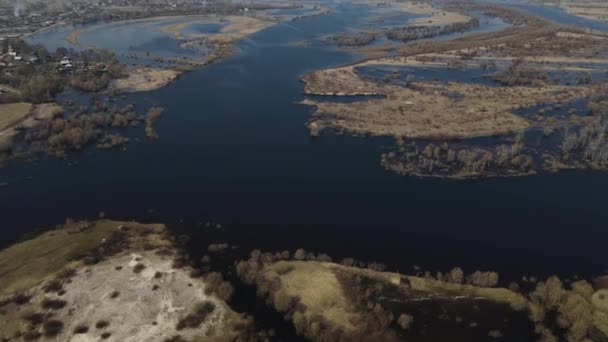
(24, 115)
(27, 264)
(13, 113)
(87, 281)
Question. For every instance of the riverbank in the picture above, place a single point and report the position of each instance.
(19, 116)
(351, 300)
(587, 9)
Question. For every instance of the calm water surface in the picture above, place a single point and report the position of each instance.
(234, 149)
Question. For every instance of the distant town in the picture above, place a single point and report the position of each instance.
(21, 17)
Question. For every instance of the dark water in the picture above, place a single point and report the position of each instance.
(234, 149)
(463, 320)
(398, 74)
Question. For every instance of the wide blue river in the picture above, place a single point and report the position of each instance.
(234, 150)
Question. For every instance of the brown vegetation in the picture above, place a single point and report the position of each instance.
(94, 292)
(327, 301)
(350, 40)
(75, 128)
(441, 160)
(102, 324)
(153, 114)
(410, 33)
(571, 309)
(197, 317)
(138, 268)
(144, 79)
(81, 329)
(52, 327)
(215, 284)
(520, 56)
(53, 304)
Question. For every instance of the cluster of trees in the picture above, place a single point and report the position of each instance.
(551, 305)
(153, 114)
(370, 320)
(510, 16)
(556, 311)
(248, 269)
(111, 141)
(199, 314)
(442, 161)
(351, 40)
(588, 145)
(75, 131)
(457, 276)
(35, 83)
(100, 67)
(410, 33)
(519, 73)
(369, 316)
(41, 81)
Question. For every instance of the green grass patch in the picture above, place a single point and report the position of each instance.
(12, 113)
(29, 263)
(316, 286)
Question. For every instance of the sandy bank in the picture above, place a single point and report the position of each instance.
(144, 79)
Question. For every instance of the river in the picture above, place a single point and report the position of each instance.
(234, 150)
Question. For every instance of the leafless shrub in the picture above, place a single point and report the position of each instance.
(197, 317)
(483, 279)
(31, 335)
(52, 327)
(102, 324)
(405, 321)
(138, 268)
(21, 298)
(53, 304)
(214, 283)
(81, 329)
(217, 247)
(54, 285)
(300, 254)
(456, 275)
(34, 319)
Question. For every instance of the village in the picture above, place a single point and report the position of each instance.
(24, 17)
(11, 58)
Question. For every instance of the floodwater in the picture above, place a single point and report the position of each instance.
(234, 150)
(555, 14)
(136, 37)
